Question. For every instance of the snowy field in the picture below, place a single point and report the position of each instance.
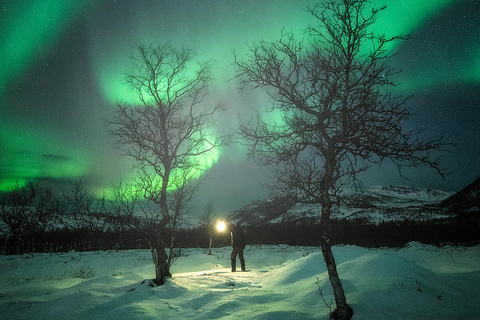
(282, 282)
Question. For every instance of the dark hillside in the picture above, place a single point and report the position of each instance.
(466, 200)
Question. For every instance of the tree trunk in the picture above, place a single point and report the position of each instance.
(171, 253)
(21, 244)
(159, 256)
(210, 245)
(343, 311)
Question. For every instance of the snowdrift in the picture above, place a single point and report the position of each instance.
(282, 282)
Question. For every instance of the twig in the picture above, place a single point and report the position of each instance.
(320, 290)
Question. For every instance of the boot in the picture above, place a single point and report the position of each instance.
(242, 262)
(234, 264)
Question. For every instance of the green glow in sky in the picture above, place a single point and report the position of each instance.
(203, 163)
(29, 28)
(31, 156)
(405, 16)
(428, 62)
(214, 31)
(33, 30)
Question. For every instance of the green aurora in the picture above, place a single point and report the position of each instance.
(63, 64)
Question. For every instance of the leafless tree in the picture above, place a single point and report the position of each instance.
(168, 135)
(207, 222)
(83, 210)
(338, 116)
(26, 211)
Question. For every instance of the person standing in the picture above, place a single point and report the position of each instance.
(238, 245)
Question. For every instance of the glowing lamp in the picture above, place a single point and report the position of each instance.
(221, 226)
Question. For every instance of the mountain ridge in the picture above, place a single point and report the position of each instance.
(370, 205)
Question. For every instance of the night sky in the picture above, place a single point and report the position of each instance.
(62, 64)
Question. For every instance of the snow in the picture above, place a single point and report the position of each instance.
(410, 193)
(282, 282)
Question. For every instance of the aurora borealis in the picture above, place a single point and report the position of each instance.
(62, 65)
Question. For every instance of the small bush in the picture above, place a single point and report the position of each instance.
(85, 272)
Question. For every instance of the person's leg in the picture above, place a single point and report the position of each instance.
(233, 258)
(242, 260)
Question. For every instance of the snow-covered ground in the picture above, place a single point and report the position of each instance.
(282, 282)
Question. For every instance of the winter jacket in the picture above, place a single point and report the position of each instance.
(238, 237)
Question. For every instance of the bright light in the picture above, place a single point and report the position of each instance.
(221, 226)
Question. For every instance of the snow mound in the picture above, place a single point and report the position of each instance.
(395, 287)
(304, 268)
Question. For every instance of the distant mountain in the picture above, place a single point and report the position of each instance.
(264, 211)
(372, 205)
(466, 200)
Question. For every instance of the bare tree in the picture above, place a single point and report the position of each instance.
(26, 211)
(207, 222)
(168, 135)
(83, 210)
(338, 117)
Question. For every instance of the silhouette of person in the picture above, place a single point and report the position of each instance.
(238, 245)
